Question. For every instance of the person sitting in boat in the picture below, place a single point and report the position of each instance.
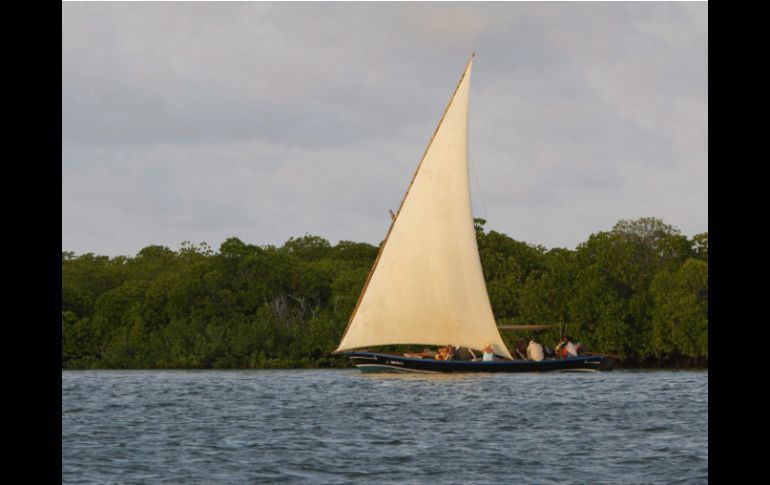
(445, 353)
(566, 348)
(559, 349)
(463, 353)
(534, 350)
(451, 352)
(440, 353)
(520, 350)
(489, 353)
(570, 349)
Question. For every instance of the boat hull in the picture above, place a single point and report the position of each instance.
(376, 362)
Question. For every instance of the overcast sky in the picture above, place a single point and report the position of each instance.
(202, 121)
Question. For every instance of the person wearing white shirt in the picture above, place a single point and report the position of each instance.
(489, 354)
(534, 351)
(565, 348)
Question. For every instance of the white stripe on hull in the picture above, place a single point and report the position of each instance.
(402, 369)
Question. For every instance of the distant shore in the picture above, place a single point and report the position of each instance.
(683, 364)
(639, 291)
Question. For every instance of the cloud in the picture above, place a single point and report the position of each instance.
(200, 121)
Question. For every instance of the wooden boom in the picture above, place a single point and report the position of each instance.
(525, 327)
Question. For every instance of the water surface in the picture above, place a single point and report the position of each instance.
(342, 426)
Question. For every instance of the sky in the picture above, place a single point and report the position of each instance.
(263, 121)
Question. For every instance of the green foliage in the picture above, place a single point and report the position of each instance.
(639, 290)
(243, 306)
(507, 264)
(680, 317)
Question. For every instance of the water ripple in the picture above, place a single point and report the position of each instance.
(343, 427)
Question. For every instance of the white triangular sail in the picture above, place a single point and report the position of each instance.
(427, 286)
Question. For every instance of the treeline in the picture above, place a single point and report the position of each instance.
(639, 291)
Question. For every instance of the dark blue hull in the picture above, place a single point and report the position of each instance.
(375, 362)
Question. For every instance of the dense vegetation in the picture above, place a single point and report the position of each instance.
(639, 291)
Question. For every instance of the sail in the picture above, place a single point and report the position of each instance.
(427, 286)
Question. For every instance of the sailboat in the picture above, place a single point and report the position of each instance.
(426, 286)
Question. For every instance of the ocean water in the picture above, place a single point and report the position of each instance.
(342, 426)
